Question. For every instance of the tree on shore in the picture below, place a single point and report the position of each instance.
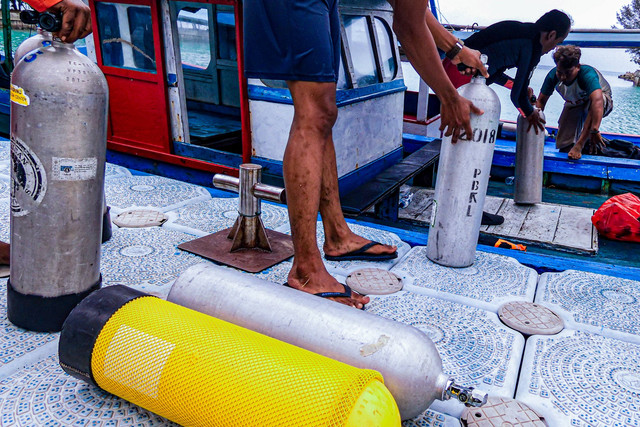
(629, 18)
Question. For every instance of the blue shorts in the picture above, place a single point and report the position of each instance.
(292, 40)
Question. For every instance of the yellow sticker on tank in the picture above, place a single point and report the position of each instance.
(18, 96)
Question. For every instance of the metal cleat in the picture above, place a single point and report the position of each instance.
(248, 245)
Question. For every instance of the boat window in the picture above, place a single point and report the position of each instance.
(385, 42)
(226, 24)
(343, 83)
(126, 36)
(144, 55)
(193, 35)
(361, 50)
(107, 17)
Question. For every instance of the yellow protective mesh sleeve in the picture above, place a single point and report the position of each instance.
(197, 370)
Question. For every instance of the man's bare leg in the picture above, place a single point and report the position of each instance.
(576, 152)
(315, 113)
(339, 239)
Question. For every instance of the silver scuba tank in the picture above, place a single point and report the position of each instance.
(529, 163)
(405, 356)
(59, 101)
(463, 177)
(41, 39)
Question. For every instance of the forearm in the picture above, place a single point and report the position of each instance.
(596, 112)
(409, 24)
(541, 102)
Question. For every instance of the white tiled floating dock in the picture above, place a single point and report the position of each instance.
(588, 375)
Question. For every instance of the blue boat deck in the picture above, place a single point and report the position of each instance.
(587, 375)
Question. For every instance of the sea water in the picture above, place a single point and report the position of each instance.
(625, 117)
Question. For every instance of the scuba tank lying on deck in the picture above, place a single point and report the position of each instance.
(405, 356)
(59, 101)
(529, 163)
(463, 177)
(197, 370)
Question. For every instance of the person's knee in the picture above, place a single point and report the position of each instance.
(320, 117)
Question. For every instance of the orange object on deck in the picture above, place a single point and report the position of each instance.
(619, 218)
(501, 243)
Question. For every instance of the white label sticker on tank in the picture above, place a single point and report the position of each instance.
(18, 96)
(65, 169)
(28, 178)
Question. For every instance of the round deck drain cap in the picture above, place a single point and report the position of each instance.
(530, 318)
(502, 411)
(374, 281)
(138, 218)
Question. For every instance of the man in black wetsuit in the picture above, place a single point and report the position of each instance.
(510, 44)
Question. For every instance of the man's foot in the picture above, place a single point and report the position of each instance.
(363, 254)
(323, 284)
(491, 219)
(355, 247)
(575, 153)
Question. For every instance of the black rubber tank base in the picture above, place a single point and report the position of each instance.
(106, 225)
(42, 314)
(83, 325)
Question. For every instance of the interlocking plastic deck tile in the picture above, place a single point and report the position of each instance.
(217, 214)
(581, 379)
(44, 395)
(17, 344)
(605, 305)
(115, 171)
(346, 267)
(431, 418)
(490, 282)
(475, 347)
(152, 191)
(146, 258)
(5, 219)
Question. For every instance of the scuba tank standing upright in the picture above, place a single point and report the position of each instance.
(463, 176)
(59, 101)
(529, 163)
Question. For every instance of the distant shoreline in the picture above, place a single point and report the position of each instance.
(631, 77)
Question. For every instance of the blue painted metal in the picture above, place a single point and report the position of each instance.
(343, 97)
(346, 183)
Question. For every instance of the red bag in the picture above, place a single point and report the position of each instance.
(619, 218)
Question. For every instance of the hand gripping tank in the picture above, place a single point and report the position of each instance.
(406, 357)
(461, 186)
(529, 163)
(40, 40)
(58, 142)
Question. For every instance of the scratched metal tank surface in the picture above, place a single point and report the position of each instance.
(586, 375)
(529, 162)
(406, 357)
(59, 101)
(461, 185)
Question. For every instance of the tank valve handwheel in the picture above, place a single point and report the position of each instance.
(466, 395)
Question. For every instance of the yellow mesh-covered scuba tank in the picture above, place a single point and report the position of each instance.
(201, 371)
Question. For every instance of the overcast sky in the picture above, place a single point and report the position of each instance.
(585, 13)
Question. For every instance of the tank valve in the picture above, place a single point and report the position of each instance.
(467, 395)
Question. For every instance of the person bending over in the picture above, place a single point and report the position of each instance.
(510, 44)
(587, 99)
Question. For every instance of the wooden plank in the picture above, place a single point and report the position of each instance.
(514, 217)
(575, 229)
(420, 207)
(541, 223)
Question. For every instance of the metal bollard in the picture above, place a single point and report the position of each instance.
(248, 245)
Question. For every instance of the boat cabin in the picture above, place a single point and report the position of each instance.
(178, 92)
